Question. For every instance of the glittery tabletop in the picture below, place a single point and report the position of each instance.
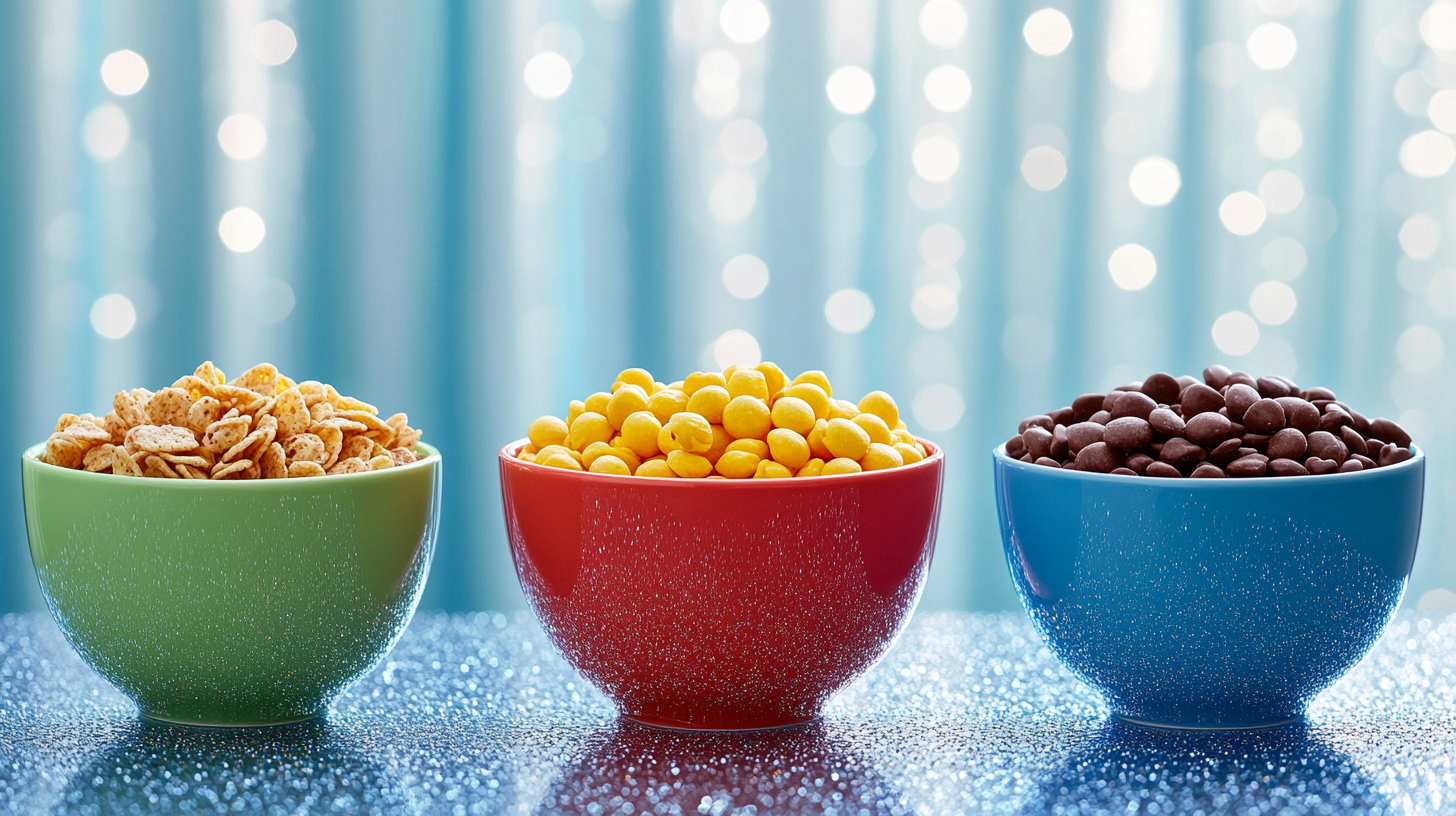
(968, 714)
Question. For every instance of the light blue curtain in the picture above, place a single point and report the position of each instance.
(474, 212)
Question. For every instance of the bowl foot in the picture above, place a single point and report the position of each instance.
(191, 724)
(1237, 726)
(674, 725)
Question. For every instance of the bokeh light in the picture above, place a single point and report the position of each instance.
(935, 305)
(1272, 46)
(851, 89)
(538, 143)
(105, 132)
(852, 143)
(1420, 349)
(733, 196)
(1048, 32)
(1427, 154)
(1281, 191)
(938, 407)
(941, 244)
(1132, 267)
(1273, 302)
(241, 229)
(943, 22)
(242, 136)
(1154, 181)
(736, 347)
(745, 276)
(1284, 258)
(1438, 25)
(744, 21)
(947, 88)
(272, 42)
(1279, 135)
(716, 92)
(113, 316)
(561, 38)
(1242, 213)
(1442, 110)
(742, 141)
(1420, 235)
(1044, 168)
(1235, 333)
(849, 311)
(936, 158)
(124, 72)
(547, 75)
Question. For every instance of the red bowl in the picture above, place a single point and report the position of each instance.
(721, 604)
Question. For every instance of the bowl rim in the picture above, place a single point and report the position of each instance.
(507, 455)
(30, 457)
(1000, 458)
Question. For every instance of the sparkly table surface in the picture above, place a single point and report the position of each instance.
(968, 714)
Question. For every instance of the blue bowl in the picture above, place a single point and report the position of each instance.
(1209, 603)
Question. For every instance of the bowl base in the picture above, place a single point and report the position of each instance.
(674, 725)
(1197, 727)
(192, 724)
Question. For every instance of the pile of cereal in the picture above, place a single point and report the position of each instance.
(259, 426)
(739, 424)
(1230, 424)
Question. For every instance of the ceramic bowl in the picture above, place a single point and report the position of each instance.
(1209, 603)
(721, 604)
(236, 602)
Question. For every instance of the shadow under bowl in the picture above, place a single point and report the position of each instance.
(721, 604)
(1209, 603)
(232, 603)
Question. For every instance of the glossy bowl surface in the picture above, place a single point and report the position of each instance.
(721, 604)
(1209, 603)
(232, 603)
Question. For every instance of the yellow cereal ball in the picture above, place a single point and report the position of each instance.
(628, 400)
(814, 467)
(527, 457)
(551, 450)
(902, 435)
(773, 375)
(728, 373)
(844, 439)
(769, 469)
(812, 394)
(737, 464)
(842, 409)
(547, 430)
(657, 386)
(921, 447)
(588, 428)
(665, 441)
(747, 417)
(747, 382)
(677, 385)
(721, 441)
(627, 455)
(597, 403)
(667, 402)
(881, 405)
(838, 467)
(901, 426)
(594, 450)
(817, 378)
(576, 409)
(874, 426)
(690, 432)
(689, 465)
(610, 464)
(757, 447)
(714, 476)
(794, 414)
(881, 457)
(638, 377)
(657, 468)
(709, 402)
(908, 453)
(816, 440)
(561, 461)
(639, 433)
(529, 448)
(788, 448)
(699, 379)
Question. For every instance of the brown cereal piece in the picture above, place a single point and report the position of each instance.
(195, 386)
(86, 431)
(350, 404)
(231, 412)
(357, 447)
(157, 467)
(261, 409)
(376, 449)
(383, 437)
(266, 421)
(169, 407)
(188, 472)
(365, 418)
(232, 470)
(313, 392)
(304, 447)
(100, 458)
(159, 438)
(273, 462)
(209, 373)
(345, 425)
(66, 421)
(116, 427)
(261, 378)
(235, 396)
(403, 456)
(128, 409)
(292, 413)
(203, 413)
(381, 462)
(222, 435)
(333, 440)
(124, 465)
(320, 411)
(254, 442)
(348, 466)
(190, 459)
(408, 438)
(298, 470)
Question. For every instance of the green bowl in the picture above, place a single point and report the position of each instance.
(238, 602)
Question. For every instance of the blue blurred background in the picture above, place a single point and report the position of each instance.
(474, 212)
